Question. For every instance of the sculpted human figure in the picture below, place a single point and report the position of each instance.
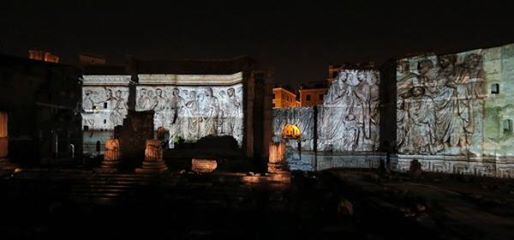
(88, 103)
(208, 108)
(119, 110)
(353, 99)
(368, 95)
(421, 135)
(225, 121)
(427, 75)
(406, 82)
(176, 103)
(109, 98)
(142, 99)
(473, 75)
(236, 113)
(445, 101)
(191, 127)
(160, 106)
(149, 102)
(352, 133)
(337, 91)
(469, 82)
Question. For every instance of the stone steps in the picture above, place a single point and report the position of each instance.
(197, 190)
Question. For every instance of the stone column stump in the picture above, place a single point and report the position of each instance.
(111, 155)
(153, 162)
(277, 161)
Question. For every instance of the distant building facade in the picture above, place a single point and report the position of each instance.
(310, 97)
(284, 98)
(44, 56)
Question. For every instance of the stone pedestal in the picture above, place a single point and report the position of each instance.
(153, 162)
(203, 165)
(277, 161)
(111, 155)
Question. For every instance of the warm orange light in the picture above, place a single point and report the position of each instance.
(291, 131)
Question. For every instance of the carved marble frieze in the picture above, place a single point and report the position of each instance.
(440, 104)
(193, 112)
(348, 120)
(104, 107)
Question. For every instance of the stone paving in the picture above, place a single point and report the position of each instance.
(335, 204)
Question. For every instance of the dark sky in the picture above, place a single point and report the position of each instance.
(296, 40)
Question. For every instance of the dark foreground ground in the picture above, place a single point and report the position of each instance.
(335, 204)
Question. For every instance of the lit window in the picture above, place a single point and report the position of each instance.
(495, 88)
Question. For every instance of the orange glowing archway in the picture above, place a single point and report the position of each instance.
(291, 131)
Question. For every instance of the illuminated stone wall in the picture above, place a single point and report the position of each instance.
(455, 111)
(192, 107)
(104, 106)
(348, 119)
(189, 106)
(194, 112)
(301, 117)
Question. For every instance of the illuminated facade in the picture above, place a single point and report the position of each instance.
(43, 56)
(345, 121)
(189, 99)
(453, 113)
(283, 98)
(310, 97)
(192, 107)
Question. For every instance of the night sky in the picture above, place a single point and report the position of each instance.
(297, 41)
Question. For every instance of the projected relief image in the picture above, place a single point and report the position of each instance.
(195, 112)
(348, 119)
(454, 104)
(103, 108)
